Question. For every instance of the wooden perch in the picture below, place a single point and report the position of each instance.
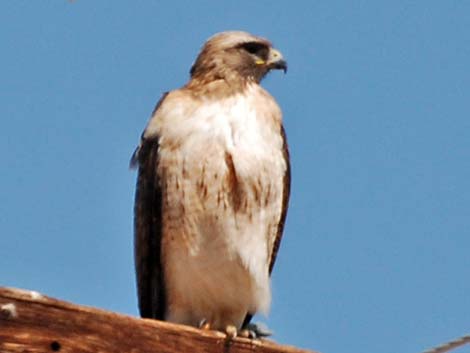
(31, 322)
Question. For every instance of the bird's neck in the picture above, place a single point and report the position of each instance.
(217, 86)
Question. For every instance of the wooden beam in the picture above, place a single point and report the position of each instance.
(32, 322)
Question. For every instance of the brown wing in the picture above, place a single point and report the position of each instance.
(148, 229)
(282, 219)
(285, 201)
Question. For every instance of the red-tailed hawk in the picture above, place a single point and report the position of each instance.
(212, 190)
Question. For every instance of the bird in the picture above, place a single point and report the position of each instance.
(212, 191)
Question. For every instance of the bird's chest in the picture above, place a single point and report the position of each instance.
(227, 168)
(239, 128)
(236, 154)
(222, 197)
(223, 145)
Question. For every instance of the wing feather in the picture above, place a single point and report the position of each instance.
(285, 201)
(148, 229)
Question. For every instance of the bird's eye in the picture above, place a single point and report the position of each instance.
(254, 48)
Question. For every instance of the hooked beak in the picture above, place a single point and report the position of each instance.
(276, 61)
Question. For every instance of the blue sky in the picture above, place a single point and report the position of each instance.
(377, 111)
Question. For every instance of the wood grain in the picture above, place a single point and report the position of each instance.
(31, 322)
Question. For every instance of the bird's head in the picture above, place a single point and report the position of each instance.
(237, 55)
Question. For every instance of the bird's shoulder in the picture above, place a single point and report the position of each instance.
(171, 106)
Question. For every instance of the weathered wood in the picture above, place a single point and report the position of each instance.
(31, 322)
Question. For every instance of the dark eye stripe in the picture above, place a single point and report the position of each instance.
(254, 47)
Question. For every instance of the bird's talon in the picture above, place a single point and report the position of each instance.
(204, 325)
(231, 331)
(257, 330)
(245, 333)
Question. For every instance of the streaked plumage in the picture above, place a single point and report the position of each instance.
(212, 190)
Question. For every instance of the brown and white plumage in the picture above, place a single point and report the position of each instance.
(212, 189)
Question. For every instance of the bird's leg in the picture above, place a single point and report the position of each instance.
(255, 331)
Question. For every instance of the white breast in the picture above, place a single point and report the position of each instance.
(218, 231)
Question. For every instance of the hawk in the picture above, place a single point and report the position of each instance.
(212, 190)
